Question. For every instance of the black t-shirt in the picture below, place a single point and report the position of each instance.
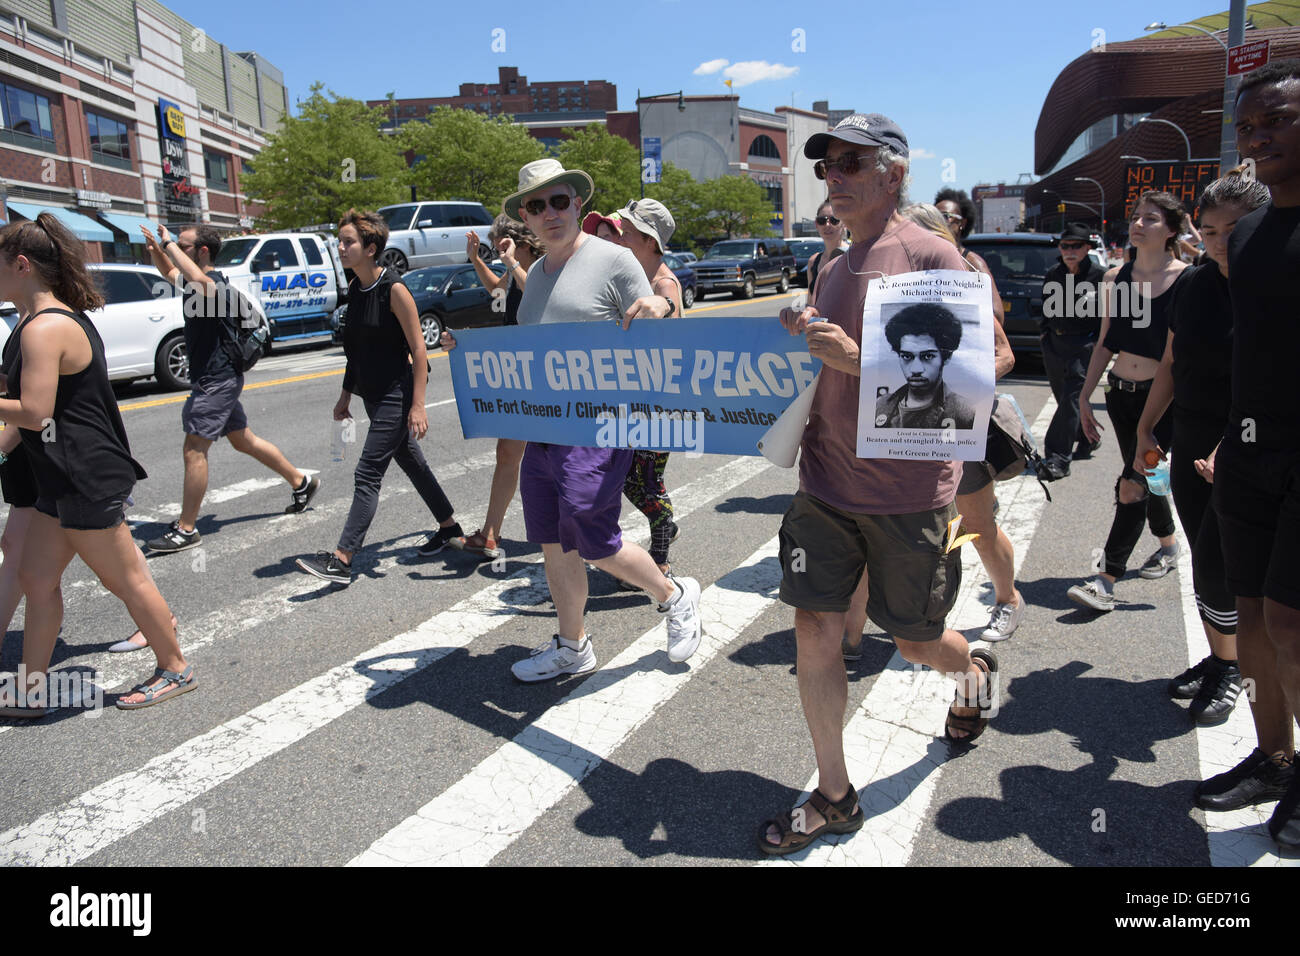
(1264, 279)
(373, 341)
(1200, 317)
(1123, 335)
(204, 314)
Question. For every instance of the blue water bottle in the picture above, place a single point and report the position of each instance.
(1158, 481)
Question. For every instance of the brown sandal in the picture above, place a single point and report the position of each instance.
(973, 726)
(840, 818)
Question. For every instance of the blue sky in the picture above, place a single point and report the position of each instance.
(966, 81)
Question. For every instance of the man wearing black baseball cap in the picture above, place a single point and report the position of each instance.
(1071, 323)
(885, 519)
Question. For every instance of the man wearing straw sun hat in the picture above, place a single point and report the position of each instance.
(572, 495)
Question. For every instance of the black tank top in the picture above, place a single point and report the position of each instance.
(1149, 339)
(823, 259)
(16, 478)
(378, 356)
(83, 449)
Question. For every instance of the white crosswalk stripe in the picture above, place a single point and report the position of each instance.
(486, 808)
(494, 803)
(118, 807)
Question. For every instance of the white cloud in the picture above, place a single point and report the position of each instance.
(754, 71)
(920, 152)
(710, 66)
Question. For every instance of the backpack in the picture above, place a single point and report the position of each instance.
(245, 335)
(1010, 450)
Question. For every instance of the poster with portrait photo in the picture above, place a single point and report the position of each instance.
(927, 367)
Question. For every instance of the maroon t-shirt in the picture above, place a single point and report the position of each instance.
(829, 467)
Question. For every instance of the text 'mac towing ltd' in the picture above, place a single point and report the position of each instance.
(296, 276)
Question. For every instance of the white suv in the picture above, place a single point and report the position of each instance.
(141, 323)
(432, 233)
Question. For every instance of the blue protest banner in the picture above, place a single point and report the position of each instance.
(700, 385)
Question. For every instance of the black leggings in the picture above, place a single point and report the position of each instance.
(1125, 410)
(389, 440)
(1195, 437)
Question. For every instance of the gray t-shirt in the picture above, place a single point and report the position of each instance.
(599, 283)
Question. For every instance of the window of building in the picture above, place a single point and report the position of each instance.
(764, 148)
(217, 170)
(26, 117)
(110, 141)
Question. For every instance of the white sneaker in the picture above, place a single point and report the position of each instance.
(1003, 622)
(1092, 594)
(1158, 565)
(684, 628)
(553, 659)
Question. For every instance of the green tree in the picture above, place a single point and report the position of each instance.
(330, 157)
(462, 154)
(735, 206)
(680, 193)
(613, 164)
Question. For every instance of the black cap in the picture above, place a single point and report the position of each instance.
(865, 129)
(1076, 230)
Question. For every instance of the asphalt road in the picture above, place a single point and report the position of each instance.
(380, 723)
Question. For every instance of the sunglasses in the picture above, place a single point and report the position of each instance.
(827, 221)
(1072, 245)
(952, 217)
(559, 202)
(848, 164)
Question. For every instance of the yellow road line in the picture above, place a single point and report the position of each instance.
(177, 399)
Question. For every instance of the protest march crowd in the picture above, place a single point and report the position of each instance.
(1199, 392)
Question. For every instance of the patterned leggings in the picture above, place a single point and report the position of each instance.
(644, 487)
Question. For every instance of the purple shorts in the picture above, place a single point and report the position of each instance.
(573, 496)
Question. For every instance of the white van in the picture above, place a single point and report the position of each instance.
(296, 277)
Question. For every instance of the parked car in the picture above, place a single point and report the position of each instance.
(689, 258)
(432, 233)
(295, 277)
(741, 265)
(685, 275)
(446, 297)
(803, 250)
(141, 323)
(1019, 262)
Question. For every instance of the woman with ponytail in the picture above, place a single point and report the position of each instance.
(58, 396)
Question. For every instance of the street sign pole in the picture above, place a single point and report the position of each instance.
(1228, 139)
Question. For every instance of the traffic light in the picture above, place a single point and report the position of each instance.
(1060, 207)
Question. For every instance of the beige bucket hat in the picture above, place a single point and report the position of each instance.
(651, 217)
(540, 174)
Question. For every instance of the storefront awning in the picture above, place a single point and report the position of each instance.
(81, 226)
(128, 224)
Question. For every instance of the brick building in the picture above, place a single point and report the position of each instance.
(115, 113)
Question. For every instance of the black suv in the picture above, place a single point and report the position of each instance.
(739, 266)
(1019, 262)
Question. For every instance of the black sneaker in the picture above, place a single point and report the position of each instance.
(1085, 450)
(174, 540)
(1217, 695)
(327, 566)
(1284, 825)
(440, 539)
(1257, 779)
(1053, 469)
(1187, 684)
(302, 496)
